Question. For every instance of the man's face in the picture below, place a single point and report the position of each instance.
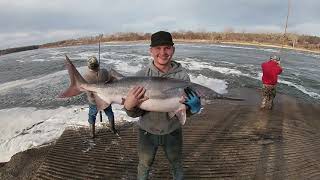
(162, 54)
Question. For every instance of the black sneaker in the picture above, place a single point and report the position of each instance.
(92, 130)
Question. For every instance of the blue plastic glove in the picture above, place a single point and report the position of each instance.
(192, 101)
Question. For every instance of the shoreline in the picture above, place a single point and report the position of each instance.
(44, 46)
(212, 42)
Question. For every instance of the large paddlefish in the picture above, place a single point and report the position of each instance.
(164, 93)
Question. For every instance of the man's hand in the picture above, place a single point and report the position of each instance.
(135, 97)
(279, 64)
(192, 100)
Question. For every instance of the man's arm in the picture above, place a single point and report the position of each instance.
(279, 67)
(133, 99)
(135, 112)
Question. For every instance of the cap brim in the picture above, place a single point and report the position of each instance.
(162, 43)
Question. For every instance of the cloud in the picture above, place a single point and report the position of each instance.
(10, 40)
(43, 21)
(151, 24)
(309, 28)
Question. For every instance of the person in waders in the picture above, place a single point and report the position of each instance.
(95, 75)
(270, 71)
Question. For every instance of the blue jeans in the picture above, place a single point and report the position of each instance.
(93, 113)
(147, 149)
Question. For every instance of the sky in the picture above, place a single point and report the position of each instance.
(30, 22)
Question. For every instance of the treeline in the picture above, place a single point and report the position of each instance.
(18, 49)
(131, 36)
(289, 40)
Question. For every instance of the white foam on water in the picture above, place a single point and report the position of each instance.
(251, 48)
(39, 60)
(297, 86)
(218, 85)
(85, 55)
(234, 47)
(315, 55)
(270, 50)
(128, 69)
(193, 64)
(25, 128)
(53, 78)
(301, 88)
(55, 52)
(124, 66)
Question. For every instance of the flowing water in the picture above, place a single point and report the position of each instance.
(31, 115)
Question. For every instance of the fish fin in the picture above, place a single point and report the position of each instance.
(75, 76)
(181, 114)
(101, 104)
(71, 91)
(76, 80)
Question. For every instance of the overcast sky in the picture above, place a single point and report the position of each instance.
(28, 22)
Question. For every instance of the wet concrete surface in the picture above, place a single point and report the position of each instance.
(228, 140)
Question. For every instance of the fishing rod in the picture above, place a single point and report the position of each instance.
(100, 36)
(285, 28)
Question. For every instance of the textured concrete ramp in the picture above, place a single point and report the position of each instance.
(227, 141)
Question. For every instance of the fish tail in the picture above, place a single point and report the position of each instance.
(76, 80)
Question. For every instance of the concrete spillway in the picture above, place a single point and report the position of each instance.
(229, 140)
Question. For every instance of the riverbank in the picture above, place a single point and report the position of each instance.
(204, 42)
(65, 44)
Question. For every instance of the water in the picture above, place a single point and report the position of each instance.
(31, 115)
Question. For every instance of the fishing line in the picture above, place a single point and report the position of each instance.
(285, 29)
(100, 36)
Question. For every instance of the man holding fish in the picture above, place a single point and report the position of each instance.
(159, 128)
(161, 95)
